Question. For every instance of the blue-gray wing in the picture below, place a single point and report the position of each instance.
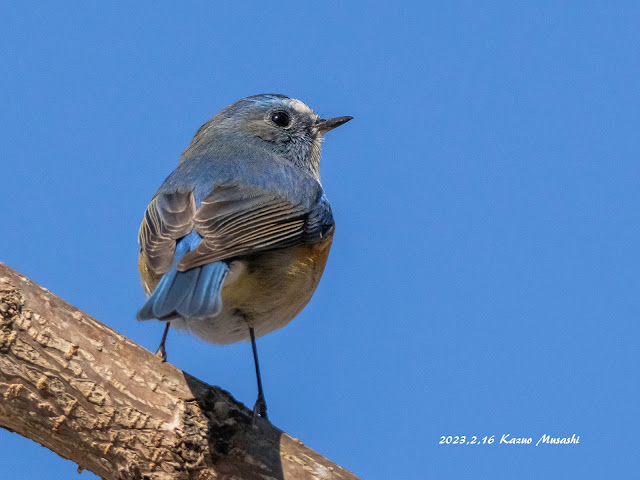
(320, 223)
(235, 220)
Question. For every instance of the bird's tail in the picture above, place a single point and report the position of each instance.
(191, 294)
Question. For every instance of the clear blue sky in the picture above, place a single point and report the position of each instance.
(484, 277)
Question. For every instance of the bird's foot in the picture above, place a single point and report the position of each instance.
(161, 353)
(260, 408)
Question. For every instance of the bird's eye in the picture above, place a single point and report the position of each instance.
(281, 119)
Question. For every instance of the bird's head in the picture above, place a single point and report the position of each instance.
(282, 125)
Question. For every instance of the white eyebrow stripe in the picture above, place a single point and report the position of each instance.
(298, 106)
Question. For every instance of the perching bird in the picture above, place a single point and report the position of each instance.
(235, 241)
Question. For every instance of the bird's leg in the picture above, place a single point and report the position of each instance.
(260, 408)
(161, 351)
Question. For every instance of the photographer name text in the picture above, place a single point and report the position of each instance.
(508, 439)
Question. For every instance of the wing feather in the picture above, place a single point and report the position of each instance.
(238, 220)
(168, 217)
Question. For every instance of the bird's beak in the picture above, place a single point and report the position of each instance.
(324, 125)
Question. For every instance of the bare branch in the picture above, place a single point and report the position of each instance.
(94, 397)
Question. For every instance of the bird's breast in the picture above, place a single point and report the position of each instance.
(269, 289)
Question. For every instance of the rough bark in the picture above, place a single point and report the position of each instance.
(96, 398)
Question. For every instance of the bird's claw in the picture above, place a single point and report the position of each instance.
(260, 408)
(161, 353)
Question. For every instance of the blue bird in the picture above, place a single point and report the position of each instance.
(233, 244)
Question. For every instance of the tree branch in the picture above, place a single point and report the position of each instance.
(94, 397)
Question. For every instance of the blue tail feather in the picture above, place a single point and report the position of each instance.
(191, 294)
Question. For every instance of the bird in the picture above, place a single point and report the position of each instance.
(234, 242)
